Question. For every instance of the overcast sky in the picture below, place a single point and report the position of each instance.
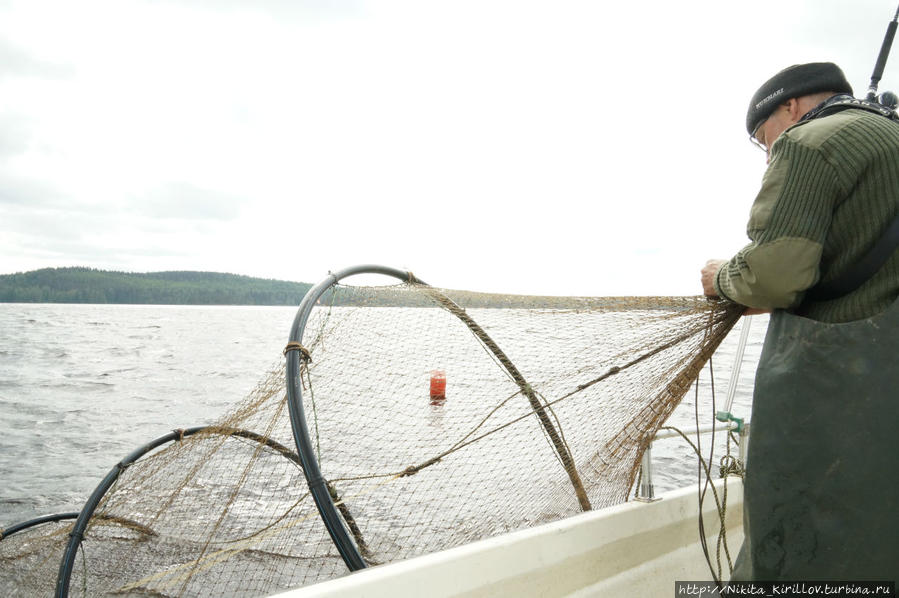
(568, 148)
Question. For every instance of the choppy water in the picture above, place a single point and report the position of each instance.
(81, 386)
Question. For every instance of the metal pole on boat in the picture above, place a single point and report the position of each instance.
(738, 363)
(647, 490)
(744, 443)
(725, 415)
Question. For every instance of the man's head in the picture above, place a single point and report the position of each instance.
(792, 90)
(785, 116)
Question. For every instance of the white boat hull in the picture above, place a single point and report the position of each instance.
(635, 549)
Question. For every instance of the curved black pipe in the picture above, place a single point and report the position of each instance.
(5, 533)
(317, 485)
(77, 533)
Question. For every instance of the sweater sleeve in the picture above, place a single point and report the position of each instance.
(787, 227)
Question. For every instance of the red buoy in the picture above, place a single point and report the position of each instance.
(438, 386)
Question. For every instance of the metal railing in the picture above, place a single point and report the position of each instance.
(646, 490)
(730, 423)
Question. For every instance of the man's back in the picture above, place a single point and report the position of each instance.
(861, 153)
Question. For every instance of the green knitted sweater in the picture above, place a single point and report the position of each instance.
(830, 191)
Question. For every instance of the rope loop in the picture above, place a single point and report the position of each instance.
(295, 346)
(730, 465)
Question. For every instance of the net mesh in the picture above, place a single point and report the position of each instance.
(548, 406)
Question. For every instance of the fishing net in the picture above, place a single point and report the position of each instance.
(547, 408)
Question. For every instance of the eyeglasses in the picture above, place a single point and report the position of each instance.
(755, 140)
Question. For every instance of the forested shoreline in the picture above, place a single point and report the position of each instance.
(88, 285)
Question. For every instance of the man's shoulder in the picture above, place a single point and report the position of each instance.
(816, 132)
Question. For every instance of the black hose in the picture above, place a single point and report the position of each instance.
(77, 533)
(5, 533)
(317, 485)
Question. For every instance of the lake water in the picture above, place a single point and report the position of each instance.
(81, 386)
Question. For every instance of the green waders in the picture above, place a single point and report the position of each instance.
(821, 495)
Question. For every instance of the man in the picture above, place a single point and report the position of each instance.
(821, 490)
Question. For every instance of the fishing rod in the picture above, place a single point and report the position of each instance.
(887, 98)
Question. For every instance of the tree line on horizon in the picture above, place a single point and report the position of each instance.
(89, 285)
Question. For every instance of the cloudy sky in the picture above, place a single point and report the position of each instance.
(553, 147)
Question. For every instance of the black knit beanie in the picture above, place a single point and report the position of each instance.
(793, 82)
